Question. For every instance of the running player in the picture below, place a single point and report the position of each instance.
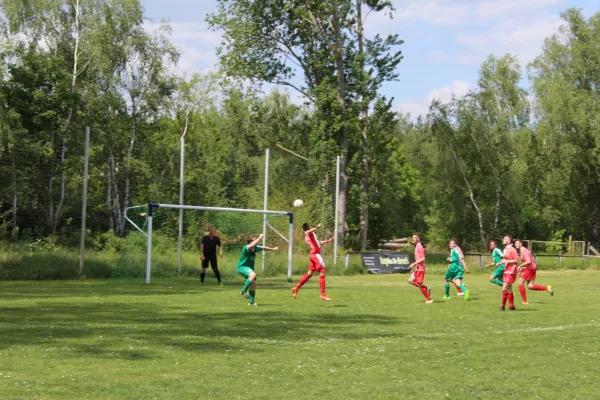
(498, 274)
(464, 264)
(510, 258)
(316, 260)
(528, 270)
(418, 276)
(456, 271)
(245, 267)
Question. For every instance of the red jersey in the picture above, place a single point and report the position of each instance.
(510, 253)
(526, 256)
(313, 243)
(419, 253)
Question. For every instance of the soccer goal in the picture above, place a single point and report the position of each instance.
(154, 211)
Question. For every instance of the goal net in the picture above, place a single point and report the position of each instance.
(160, 222)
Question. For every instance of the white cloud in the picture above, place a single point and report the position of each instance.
(493, 8)
(198, 32)
(444, 94)
(522, 38)
(458, 88)
(433, 11)
(196, 42)
(414, 108)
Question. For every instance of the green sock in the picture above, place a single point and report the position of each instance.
(252, 296)
(497, 282)
(246, 285)
(463, 287)
(447, 289)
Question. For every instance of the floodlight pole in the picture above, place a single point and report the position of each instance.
(149, 246)
(181, 178)
(265, 204)
(337, 198)
(290, 246)
(84, 206)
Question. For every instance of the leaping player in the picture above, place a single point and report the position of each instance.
(316, 260)
(528, 270)
(245, 267)
(418, 276)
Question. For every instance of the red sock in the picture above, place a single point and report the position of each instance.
(504, 297)
(425, 292)
(302, 281)
(511, 299)
(414, 283)
(540, 288)
(322, 284)
(522, 291)
(457, 287)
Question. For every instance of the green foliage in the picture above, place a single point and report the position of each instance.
(488, 163)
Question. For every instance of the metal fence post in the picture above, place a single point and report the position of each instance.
(480, 262)
(347, 260)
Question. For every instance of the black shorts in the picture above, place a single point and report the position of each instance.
(212, 259)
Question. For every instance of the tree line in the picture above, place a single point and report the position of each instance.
(502, 158)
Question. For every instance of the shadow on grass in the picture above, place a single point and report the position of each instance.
(76, 312)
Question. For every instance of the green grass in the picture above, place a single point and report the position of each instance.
(120, 339)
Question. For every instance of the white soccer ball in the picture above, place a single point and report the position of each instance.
(298, 203)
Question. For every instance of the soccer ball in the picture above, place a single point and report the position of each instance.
(298, 203)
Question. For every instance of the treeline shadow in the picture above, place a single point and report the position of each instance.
(152, 323)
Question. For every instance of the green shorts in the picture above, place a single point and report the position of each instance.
(498, 273)
(454, 273)
(244, 271)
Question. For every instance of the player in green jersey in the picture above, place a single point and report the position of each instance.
(455, 271)
(245, 267)
(498, 274)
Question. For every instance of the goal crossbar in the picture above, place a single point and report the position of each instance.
(152, 206)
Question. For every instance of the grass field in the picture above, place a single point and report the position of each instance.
(119, 339)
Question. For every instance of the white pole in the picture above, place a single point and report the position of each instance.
(149, 248)
(337, 222)
(290, 247)
(347, 260)
(84, 206)
(265, 203)
(180, 241)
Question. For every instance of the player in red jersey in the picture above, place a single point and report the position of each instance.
(528, 270)
(418, 276)
(316, 260)
(510, 260)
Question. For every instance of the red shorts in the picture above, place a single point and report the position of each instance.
(510, 278)
(528, 274)
(316, 263)
(418, 277)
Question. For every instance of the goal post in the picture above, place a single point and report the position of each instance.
(153, 206)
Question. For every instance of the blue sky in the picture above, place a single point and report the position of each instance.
(445, 40)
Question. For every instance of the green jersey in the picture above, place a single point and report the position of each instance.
(248, 256)
(455, 258)
(497, 255)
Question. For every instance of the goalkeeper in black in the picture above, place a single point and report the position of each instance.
(208, 249)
